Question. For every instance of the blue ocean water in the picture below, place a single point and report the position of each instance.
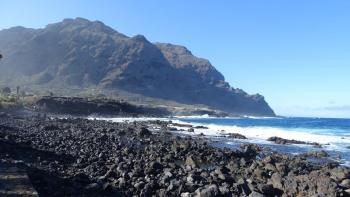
(332, 133)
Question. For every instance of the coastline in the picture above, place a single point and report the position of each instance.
(295, 141)
(102, 158)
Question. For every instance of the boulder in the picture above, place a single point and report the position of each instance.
(256, 194)
(345, 183)
(224, 190)
(347, 191)
(190, 161)
(207, 191)
(93, 187)
(276, 181)
(153, 168)
(191, 130)
(281, 168)
(186, 194)
(236, 136)
(249, 150)
(270, 167)
(339, 174)
(143, 132)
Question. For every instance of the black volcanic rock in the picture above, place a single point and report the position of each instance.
(81, 157)
(82, 53)
(86, 107)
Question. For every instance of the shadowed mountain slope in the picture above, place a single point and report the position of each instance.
(88, 54)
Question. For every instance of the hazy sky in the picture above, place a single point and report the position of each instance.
(295, 53)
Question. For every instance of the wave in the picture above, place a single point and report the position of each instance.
(266, 132)
(262, 117)
(206, 116)
(260, 134)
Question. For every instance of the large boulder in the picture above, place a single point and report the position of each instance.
(207, 191)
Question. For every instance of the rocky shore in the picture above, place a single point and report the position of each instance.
(80, 157)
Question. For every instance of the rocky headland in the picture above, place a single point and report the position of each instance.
(78, 106)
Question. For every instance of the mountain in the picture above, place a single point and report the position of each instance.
(78, 53)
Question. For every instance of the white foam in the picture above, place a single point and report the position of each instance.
(261, 117)
(206, 116)
(259, 135)
(266, 132)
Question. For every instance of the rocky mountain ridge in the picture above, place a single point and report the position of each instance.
(88, 54)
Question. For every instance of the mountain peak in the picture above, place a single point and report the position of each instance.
(76, 20)
(140, 38)
(80, 24)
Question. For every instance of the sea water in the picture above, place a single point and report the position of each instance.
(332, 133)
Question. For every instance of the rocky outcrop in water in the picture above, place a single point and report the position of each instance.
(279, 140)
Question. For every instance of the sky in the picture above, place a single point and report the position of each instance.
(295, 53)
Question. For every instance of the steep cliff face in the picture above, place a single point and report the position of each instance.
(82, 53)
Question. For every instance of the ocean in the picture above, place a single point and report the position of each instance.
(332, 133)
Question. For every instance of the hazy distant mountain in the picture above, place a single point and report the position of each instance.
(82, 53)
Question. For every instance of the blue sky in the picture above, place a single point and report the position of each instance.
(295, 53)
